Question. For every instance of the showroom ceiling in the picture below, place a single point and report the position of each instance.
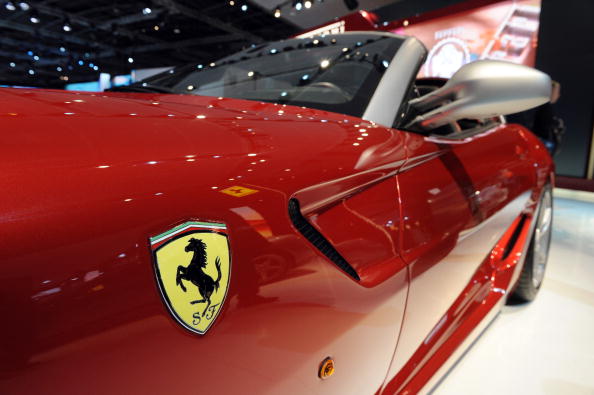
(49, 43)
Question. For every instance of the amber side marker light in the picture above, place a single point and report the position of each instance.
(326, 368)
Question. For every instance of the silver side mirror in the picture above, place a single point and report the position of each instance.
(482, 89)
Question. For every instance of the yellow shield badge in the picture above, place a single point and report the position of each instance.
(193, 264)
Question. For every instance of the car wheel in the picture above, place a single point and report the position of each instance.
(538, 252)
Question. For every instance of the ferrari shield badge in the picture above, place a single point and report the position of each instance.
(193, 265)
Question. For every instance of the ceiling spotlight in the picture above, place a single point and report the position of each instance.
(277, 12)
(81, 63)
(34, 19)
(176, 31)
(30, 53)
(10, 6)
(24, 6)
(156, 27)
(67, 27)
(58, 68)
(96, 68)
(244, 7)
(62, 49)
(307, 4)
(146, 11)
(12, 64)
(31, 71)
(130, 60)
(232, 3)
(35, 57)
(298, 6)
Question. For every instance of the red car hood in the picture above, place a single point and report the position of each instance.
(102, 154)
(87, 179)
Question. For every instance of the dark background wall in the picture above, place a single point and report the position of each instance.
(565, 52)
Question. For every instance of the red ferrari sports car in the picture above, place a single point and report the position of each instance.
(304, 216)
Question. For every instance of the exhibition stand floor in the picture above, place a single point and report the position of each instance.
(547, 346)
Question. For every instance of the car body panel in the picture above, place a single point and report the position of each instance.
(452, 217)
(470, 314)
(89, 178)
(364, 228)
(92, 177)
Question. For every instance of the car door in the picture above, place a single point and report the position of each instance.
(459, 194)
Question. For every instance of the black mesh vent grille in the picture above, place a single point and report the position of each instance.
(319, 241)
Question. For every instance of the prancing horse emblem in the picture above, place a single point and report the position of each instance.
(193, 265)
(196, 275)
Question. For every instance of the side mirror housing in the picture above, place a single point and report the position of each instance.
(482, 89)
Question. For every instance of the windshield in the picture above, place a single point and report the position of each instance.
(337, 73)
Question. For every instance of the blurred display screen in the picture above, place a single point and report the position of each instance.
(18, 86)
(92, 86)
(504, 31)
(120, 80)
(106, 81)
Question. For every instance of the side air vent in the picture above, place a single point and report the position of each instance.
(319, 241)
(514, 238)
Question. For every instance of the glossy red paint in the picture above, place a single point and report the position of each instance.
(456, 207)
(368, 235)
(92, 177)
(88, 178)
(489, 285)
